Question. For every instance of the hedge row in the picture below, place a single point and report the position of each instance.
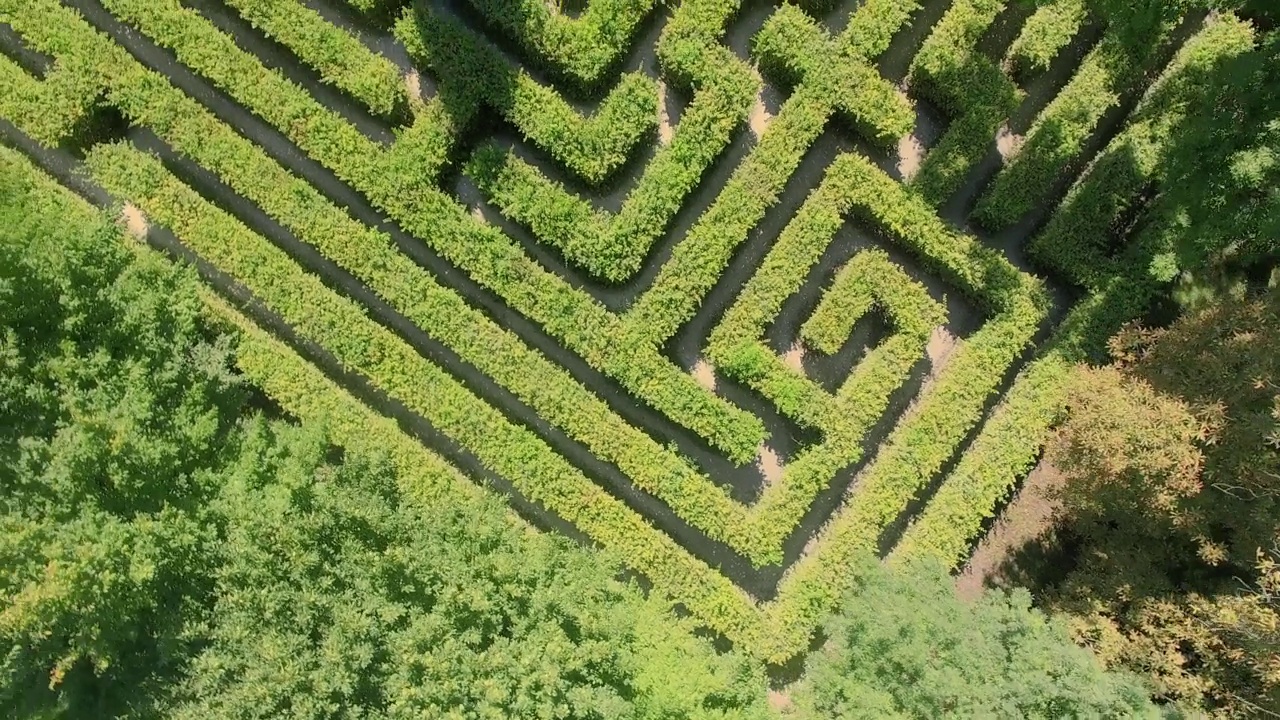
(487, 255)
(1057, 137)
(472, 72)
(613, 247)
(1120, 290)
(697, 262)
(341, 59)
(966, 85)
(340, 326)
(870, 277)
(793, 47)
(1076, 240)
(1048, 30)
(579, 49)
(54, 108)
(306, 394)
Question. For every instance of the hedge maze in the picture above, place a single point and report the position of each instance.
(735, 290)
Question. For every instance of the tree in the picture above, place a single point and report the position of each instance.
(1173, 463)
(115, 400)
(905, 646)
(167, 551)
(341, 596)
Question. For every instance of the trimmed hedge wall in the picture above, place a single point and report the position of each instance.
(967, 86)
(1056, 139)
(1045, 34)
(471, 72)
(1120, 290)
(491, 258)
(341, 60)
(579, 49)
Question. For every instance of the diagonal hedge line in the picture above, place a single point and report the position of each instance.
(340, 59)
(1045, 34)
(1057, 137)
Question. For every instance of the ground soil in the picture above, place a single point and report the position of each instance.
(1028, 517)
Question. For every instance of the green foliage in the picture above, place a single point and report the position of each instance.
(904, 646)
(1056, 139)
(115, 405)
(580, 49)
(338, 57)
(792, 46)
(1221, 176)
(854, 290)
(472, 72)
(614, 246)
(1048, 30)
(157, 552)
(428, 609)
(966, 85)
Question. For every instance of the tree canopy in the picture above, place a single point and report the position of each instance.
(905, 646)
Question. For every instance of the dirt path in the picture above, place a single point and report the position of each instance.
(1025, 519)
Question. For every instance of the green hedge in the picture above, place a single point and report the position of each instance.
(1120, 290)
(341, 60)
(868, 278)
(1056, 139)
(1048, 30)
(579, 49)
(57, 107)
(968, 87)
(792, 46)
(613, 246)
(696, 263)
(472, 72)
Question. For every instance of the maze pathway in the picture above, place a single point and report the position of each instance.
(737, 290)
